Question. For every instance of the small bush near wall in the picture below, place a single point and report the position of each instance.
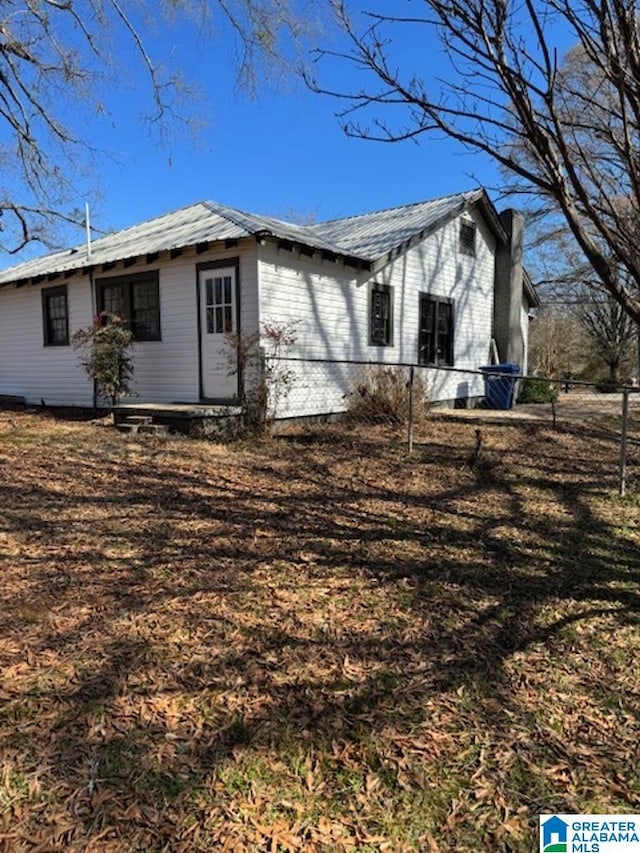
(266, 376)
(537, 391)
(382, 396)
(106, 355)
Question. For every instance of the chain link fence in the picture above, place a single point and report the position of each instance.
(403, 397)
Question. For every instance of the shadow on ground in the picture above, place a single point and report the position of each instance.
(196, 638)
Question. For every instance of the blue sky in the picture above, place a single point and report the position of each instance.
(281, 153)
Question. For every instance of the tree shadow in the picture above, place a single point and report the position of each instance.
(182, 611)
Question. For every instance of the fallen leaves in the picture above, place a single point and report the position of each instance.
(316, 645)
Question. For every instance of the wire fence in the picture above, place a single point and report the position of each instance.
(405, 397)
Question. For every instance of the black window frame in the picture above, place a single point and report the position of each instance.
(48, 294)
(128, 283)
(385, 324)
(429, 339)
(468, 232)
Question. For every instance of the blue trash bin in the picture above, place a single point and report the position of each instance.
(500, 382)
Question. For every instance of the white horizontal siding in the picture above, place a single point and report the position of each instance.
(164, 371)
(329, 305)
(168, 370)
(32, 370)
(327, 302)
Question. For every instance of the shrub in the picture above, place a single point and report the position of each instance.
(535, 390)
(106, 357)
(382, 396)
(266, 378)
(608, 386)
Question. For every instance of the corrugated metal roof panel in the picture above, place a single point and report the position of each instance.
(372, 235)
(365, 238)
(185, 227)
(256, 224)
(198, 223)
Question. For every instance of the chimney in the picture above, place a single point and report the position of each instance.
(508, 283)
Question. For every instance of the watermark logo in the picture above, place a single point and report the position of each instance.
(589, 833)
(554, 835)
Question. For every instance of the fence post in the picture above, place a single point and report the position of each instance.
(410, 418)
(623, 442)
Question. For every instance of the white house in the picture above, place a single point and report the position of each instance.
(432, 283)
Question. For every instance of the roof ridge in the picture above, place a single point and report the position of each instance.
(226, 212)
(145, 222)
(271, 223)
(395, 207)
(263, 216)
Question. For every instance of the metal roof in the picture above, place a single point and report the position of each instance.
(362, 238)
(188, 226)
(373, 235)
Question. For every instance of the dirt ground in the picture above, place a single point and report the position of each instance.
(314, 643)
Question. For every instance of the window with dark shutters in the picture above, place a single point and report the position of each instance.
(435, 334)
(467, 238)
(381, 315)
(55, 316)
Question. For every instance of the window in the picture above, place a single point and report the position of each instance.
(55, 316)
(381, 315)
(137, 299)
(435, 339)
(467, 238)
(219, 304)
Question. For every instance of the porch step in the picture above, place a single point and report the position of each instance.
(154, 429)
(142, 425)
(193, 419)
(139, 419)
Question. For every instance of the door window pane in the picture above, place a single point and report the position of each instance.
(220, 304)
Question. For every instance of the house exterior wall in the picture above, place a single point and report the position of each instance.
(329, 305)
(30, 369)
(164, 371)
(169, 370)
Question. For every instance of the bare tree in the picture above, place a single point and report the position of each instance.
(57, 56)
(557, 344)
(610, 330)
(509, 95)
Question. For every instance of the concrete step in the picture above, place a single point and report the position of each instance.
(153, 429)
(143, 429)
(138, 419)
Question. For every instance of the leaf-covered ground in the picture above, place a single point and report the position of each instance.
(316, 644)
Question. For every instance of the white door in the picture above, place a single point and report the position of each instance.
(218, 325)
